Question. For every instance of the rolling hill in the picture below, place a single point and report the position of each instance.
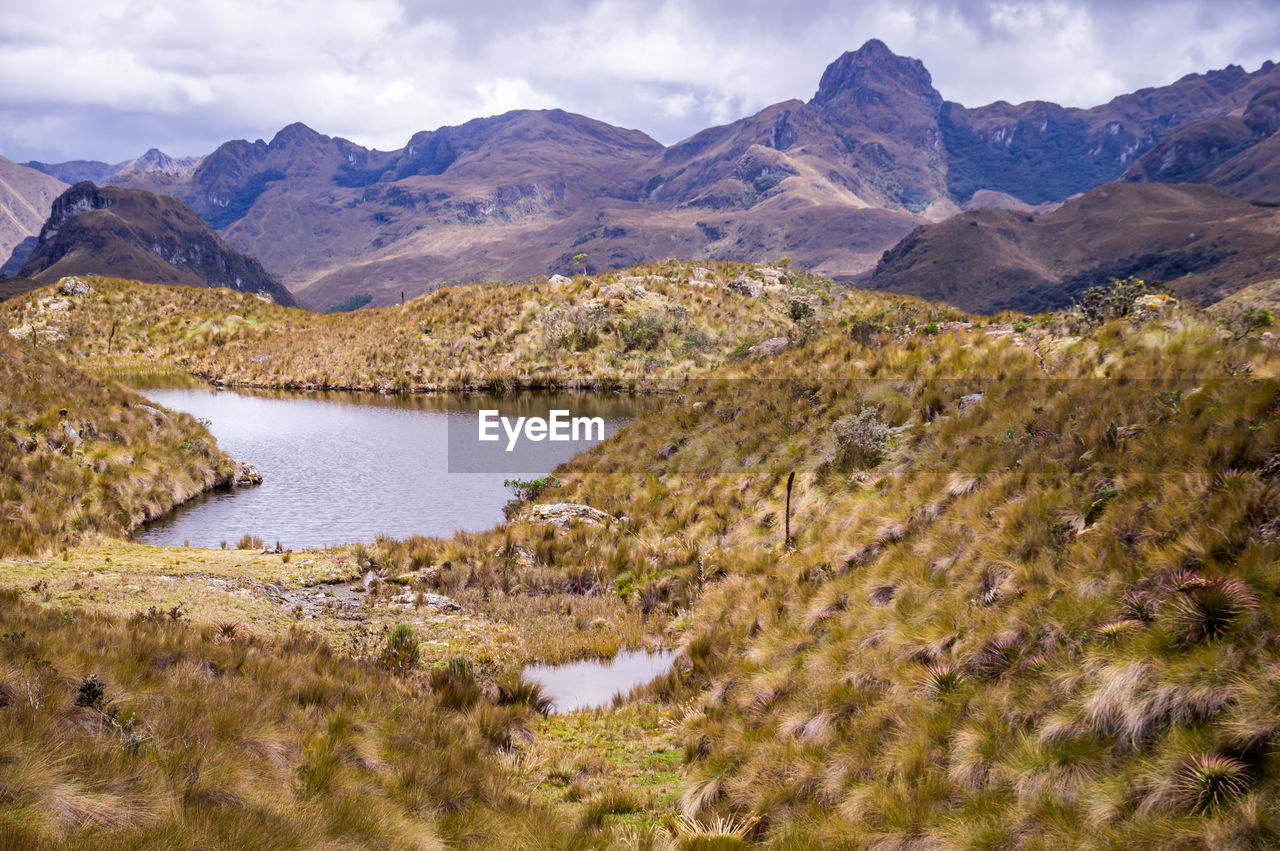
(1202, 242)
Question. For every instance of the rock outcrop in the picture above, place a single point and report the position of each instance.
(244, 474)
(564, 514)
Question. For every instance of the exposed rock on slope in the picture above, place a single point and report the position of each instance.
(134, 234)
(1238, 153)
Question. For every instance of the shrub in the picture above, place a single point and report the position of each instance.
(861, 439)
(643, 333)
(697, 339)
(576, 328)
(91, 693)
(249, 542)
(525, 491)
(1100, 304)
(799, 309)
(350, 303)
(1245, 321)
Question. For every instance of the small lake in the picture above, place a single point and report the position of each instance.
(346, 467)
(592, 684)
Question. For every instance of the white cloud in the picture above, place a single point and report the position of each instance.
(109, 78)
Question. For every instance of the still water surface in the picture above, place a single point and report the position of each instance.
(344, 467)
(592, 684)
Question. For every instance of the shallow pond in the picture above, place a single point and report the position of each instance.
(592, 684)
(345, 467)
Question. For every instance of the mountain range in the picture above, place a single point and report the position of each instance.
(832, 182)
(154, 160)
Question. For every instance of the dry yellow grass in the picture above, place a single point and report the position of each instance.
(474, 336)
(80, 456)
(1032, 597)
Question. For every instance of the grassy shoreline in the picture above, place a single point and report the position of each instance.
(1031, 595)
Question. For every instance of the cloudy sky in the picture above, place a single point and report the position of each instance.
(107, 79)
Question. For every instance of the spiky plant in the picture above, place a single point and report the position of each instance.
(1205, 610)
(996, 656)
(941, 679)
(1210, 781)
(1139, 606)
(1115, 630)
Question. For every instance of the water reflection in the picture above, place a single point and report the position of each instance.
(339, 467)
(593, 683)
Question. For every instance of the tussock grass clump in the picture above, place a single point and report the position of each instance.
(82, 456)
(1210, 781)
(401, 653)
(156, 747)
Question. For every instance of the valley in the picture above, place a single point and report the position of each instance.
(936, 502)
(983, 516)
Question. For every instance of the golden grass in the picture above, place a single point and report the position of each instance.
(1042, 612)
(474, 336)
(80, 456)
(201, 740)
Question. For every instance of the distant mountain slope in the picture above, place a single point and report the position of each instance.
(1254, 173)
(1043, 152)
(134, 234)
(1202, 242)
(154, 160)
(832, 182)
(1238, 153)
(26, 196)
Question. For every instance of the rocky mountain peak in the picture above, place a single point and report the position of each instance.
(80, 198)
(295, 134)
(146, 237)
(874, 75)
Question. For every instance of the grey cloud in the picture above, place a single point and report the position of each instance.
(187, 76)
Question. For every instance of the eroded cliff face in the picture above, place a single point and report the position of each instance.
(81, 198)
(130, 233)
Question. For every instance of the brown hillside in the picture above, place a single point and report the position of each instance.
(145, 237)
(25, 198)
(1203, 243)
